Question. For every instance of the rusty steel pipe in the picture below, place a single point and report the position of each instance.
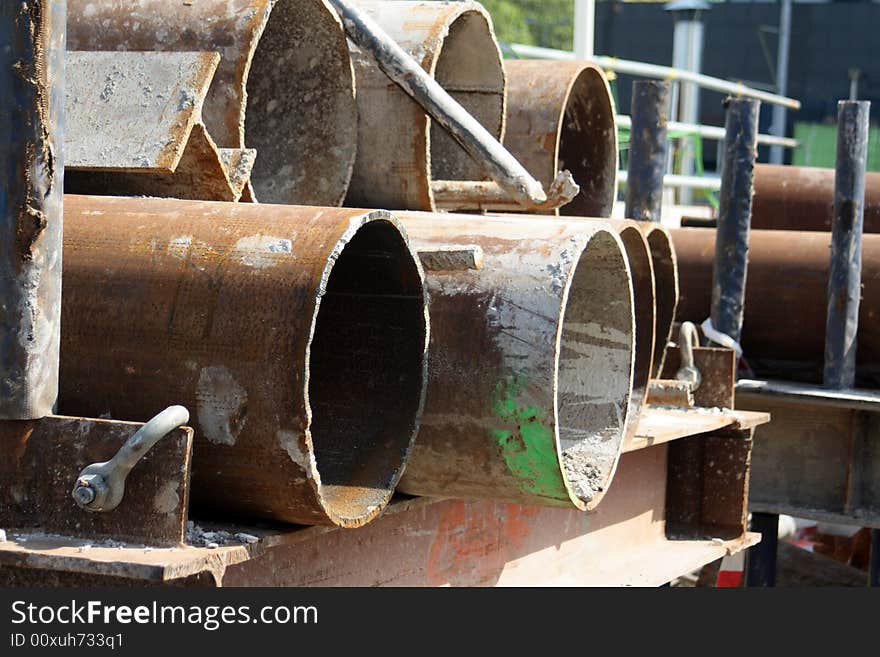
(638, 254)
(801, 198)
(32, 35)
(560, 116)
(784, 316)
(408, 74)
(296, 336)
(284, 86)
(531, 362)
(667, 288)
(400, 149)
(640, 258)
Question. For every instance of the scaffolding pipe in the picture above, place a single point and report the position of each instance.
(845, 271)
(734, 218)
(780, 111)
(647, 150)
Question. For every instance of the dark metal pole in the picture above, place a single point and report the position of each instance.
(734, 216)
(647, 149)
(845, 272)
(761, 559)
(874, 563)
(729, 281)
(32, 46)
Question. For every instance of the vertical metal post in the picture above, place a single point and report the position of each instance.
(734, 216)
(779, 111)
(854, 75)
(874, 561)
(845, 272)
(32, 47)
(584, 28)
(687, 54)
(761, 559)
(647, 150)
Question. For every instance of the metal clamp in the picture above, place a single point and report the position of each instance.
(100, 486)
(688, 338)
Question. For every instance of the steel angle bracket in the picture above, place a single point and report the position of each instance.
(40, 464)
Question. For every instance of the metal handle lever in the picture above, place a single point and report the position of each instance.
(688, 338)
(100, 486)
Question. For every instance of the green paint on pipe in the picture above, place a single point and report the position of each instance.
(530, 450)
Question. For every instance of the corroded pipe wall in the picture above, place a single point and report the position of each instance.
(531, 362)
(32, 35)
(638, 254)
(784, 316)
(296, 336)
(640, 257)
(667, 287)
(400, 150)
(801, 198)
(561, 116)
(284, 86)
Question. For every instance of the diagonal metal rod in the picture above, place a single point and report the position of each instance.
(404, 71)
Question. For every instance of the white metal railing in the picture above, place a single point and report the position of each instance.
(661, 72)
(711, 132)
(711, 183)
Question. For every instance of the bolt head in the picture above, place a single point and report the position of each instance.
(83, 495)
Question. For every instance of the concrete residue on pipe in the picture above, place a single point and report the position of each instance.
(532, 362)
(400, 150)
(640, 257)
(284, 85)
(297, 335)
(222, 405)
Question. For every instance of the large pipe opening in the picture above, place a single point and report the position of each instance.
(296, 336)
(469, 67)
(587, 145)
(301, 113)
(666, 284)
(366, 369)
(594, 369)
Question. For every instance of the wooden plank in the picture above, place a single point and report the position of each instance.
(40, 461)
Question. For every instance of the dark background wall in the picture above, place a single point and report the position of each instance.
(826, 41)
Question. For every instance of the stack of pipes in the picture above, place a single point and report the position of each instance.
(318, 356)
